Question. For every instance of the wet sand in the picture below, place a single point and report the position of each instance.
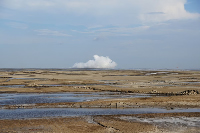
(171, 90)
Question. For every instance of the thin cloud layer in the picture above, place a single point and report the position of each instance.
(47, 32)
(98, 62)
(107, 12)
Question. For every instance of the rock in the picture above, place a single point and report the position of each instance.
(154, 91)
(190, 92)
(32, 85)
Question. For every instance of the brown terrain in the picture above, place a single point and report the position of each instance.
(168, 89)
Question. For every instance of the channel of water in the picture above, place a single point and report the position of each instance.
(64, 112)
(32, 98)
(48, 85)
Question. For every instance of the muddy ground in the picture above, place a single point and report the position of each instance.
(172, 89)
(144, 123)
(171, 82)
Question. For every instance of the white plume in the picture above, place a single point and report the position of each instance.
(98, 62)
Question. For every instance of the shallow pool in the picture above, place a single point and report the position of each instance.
(32, 98)
(63, 112)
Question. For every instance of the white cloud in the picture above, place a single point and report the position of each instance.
(115, 12)
(47, 32)
(115, 31)
(98, 62)
(166, 10)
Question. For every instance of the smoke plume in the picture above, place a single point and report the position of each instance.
(98, 62)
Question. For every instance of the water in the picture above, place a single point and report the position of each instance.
(194, 83)
(49, 85)
(60, 85)
(12, 86)
(63, 112)
(30, 78)
(32, 98)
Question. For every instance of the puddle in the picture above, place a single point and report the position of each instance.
(50, 85)
(12, 86)
(31, 78)
(120, 86)
(10, 78)
(193, 83)
(156, 73)
(60, 85)
(64, 112)
(107, 80)
(32, 98)
(167, 85)
(192, 87)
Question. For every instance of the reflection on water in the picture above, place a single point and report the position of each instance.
(63, 112)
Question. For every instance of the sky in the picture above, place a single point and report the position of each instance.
(155, 34)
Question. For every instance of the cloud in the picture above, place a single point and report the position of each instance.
(115, 31)
(47, 32)
(98, 62)
(107, 12)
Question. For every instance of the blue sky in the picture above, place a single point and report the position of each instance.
(153, 34)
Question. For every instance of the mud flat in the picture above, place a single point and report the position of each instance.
(150, 123)
(174, 94)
